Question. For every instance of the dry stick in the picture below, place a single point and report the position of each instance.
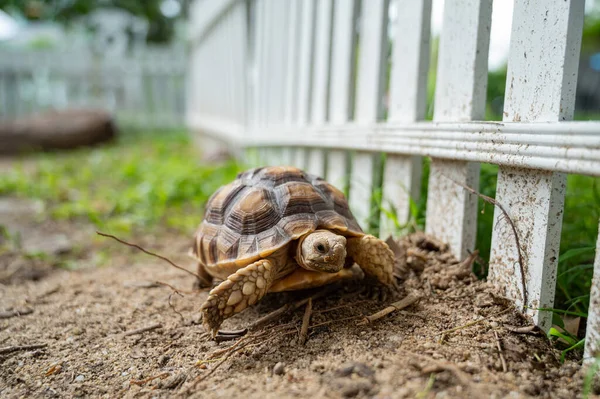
(305, 322)
(504, 368)
(177, 290)
(11, 349)
(533, 330)
(401, 304)
(451, 330)
(232, 349)
(12, 313)
(145, 380)
(288, 307)
(492, 201)
(150, 253)
(143, 330)
(173, 306)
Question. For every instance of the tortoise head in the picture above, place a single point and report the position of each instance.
(322, 251)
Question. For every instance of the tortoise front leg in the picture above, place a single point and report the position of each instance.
(373, 256)
(242, 289)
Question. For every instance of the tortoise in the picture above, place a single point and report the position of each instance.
(279, 229)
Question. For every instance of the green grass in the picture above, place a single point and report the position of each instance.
(142, 181)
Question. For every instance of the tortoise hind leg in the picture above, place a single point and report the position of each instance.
(204, 280)
(373, 256)
(242, 289)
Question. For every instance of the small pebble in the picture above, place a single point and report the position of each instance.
(493, 324)
(279, 369)
(79, 378)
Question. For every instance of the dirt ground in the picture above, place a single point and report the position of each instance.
(461, 339)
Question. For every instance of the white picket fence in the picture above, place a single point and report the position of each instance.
(304, 82)
(144, 89)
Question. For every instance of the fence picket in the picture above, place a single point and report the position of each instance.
(369, 82)
(320, 80)
(304, 61)
(459, 96)
(408, 98)
(341, 88)
(291, 83)
(592, 337)
(541, 81)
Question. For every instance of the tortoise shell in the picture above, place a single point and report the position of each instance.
(263, 210)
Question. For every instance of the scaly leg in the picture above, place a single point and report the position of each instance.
(374, 257)
(242, 289)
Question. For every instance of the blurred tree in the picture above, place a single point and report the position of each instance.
(161, 26)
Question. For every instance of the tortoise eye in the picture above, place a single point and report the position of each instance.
(320, 247)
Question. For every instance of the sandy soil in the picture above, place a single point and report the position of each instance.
(461, 339)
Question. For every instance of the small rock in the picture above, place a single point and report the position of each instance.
(493, 324)
(80, 378)
(76, 331)
(279, 369)
(163, 360)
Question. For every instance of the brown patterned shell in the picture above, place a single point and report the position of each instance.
(263, 210)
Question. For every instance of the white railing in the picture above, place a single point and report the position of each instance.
(144, 89)
(304, 82)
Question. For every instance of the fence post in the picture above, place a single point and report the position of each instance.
(459, 96)
(320, 81)
(592, 335)
(408, 98)
(540, 87)
(369, 85)
(305, 61)
(341, 89)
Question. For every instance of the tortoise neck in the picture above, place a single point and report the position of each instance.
(298, 254)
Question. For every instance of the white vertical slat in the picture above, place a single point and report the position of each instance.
(592, 337)
(291, 74)
(299, 158)
(264, 42)
(341, 93)
(305, 60)
(291, 77)
(278, 34)
(241, 56)
(540, 87)
(320, 81)
(373, 32)
(408, 99)
(460, 96)
(277, 56)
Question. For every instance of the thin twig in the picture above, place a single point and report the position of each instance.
(143, 329)
(334, 321)
(451, 330)
(305, 322)
(513, 227)
(173, 306)
(504, 368)
(11, 349)
(289, 307)
(401, 304)
(231, 350)
(162, 376)
(178, 290)
(150, 253)
(16, 312)
(533, 329)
